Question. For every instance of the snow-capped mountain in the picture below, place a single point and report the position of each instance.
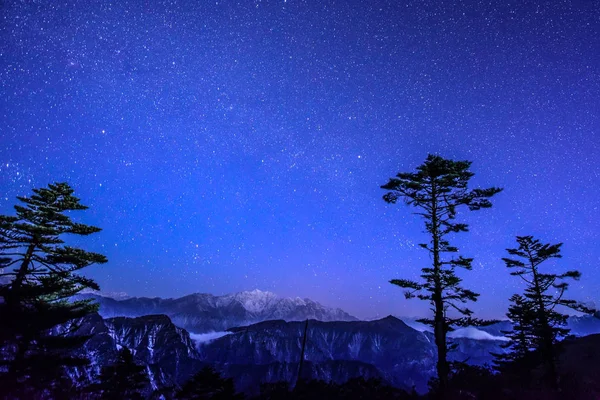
(584, 325)
(202, 312)
(112, 295)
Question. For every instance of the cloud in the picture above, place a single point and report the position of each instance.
(201, 338)
(474, 333)
(417, 325)
(468, 332)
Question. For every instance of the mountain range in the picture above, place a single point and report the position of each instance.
(256, 337)
(202, 312)
(270, 351)
(385, 348)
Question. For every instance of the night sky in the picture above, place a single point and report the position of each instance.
(226, 146)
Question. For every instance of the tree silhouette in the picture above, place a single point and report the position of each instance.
(123, 380)
(538, 325)
(39, 276)
(522, 340)
(438, 189)
(208, 384)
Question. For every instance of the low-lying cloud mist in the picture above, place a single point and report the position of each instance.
(200, 338)
(469, 332)
(474, 333)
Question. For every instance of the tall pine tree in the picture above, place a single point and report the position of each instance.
(39, 275)
(438, 189)
(538, 323)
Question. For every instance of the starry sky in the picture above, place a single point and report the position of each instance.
(232, 145)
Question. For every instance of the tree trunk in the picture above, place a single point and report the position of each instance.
(300, 377)
(13, 299)
(18, 282)
(439, 319)
(440, 342)
(547, 345)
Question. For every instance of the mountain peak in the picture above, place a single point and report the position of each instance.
(203, 312)
(254, 301)
(258, 292)
(255, 293)
(391, 321)
(112, 295)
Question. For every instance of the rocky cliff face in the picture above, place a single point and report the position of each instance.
(401, 355)
(200, 313)
(247, 378)
(270, 351)
(168, 353)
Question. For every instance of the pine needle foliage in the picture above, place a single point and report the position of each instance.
(538, 324)
(439, 189)
(39, 274)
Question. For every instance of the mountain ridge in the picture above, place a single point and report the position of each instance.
(403, 356)
(269, 351)
(204, 312)
(201, 313)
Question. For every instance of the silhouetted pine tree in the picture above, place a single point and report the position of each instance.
(538, 323)
(438, 189)
(208, 384)
(123, 380)
(522, 340)
(39, 275)
(520, 357)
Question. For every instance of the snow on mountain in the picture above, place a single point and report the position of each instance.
(255, 301)
(204, 313)
(112, 295)
(167, 351)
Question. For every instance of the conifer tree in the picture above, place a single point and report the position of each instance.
(539, 325)
(519, 357)
(123, 380)
(39, 275)
(208, 384)
(522, 341)
(438, 189)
